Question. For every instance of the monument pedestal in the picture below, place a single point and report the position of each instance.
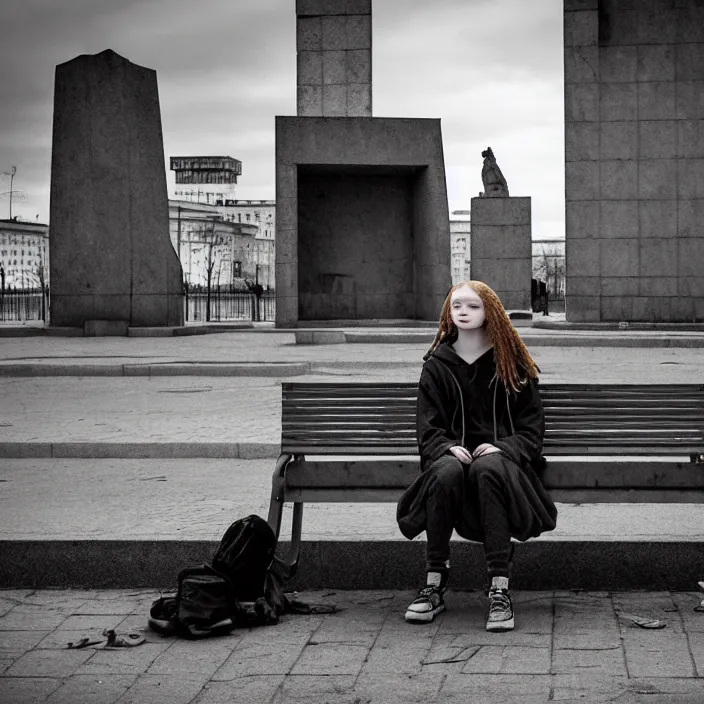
(501, 249)
(112, 262)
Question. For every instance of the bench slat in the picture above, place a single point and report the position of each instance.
(361, 404)
(339, 438)
(694, 415)
(554, 425)
(580, 418)
(320, 448)
(357, 430)
(615, 405)
(549, 402)
(566, 387)
(674, 450)
(559, 474)
(625, 424)
(291, 389)
(600, 496)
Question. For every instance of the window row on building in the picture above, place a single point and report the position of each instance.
(24, 254)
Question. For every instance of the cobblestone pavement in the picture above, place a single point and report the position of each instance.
(567, 647)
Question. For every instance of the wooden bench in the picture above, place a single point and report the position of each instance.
(356, 442)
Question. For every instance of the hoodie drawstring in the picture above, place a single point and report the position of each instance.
(495, 381)
(493, 408)
(508, 409)
(459, 391)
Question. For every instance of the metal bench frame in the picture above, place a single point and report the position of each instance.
(365, 433)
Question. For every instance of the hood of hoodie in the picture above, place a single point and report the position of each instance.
(484, 364)
(473, 382)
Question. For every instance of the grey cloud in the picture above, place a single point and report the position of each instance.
(227, 67)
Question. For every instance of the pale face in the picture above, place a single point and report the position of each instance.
(466, 309)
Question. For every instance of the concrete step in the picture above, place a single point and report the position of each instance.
(110, 369)
(537, 338)
(140, 450)
(123, 523)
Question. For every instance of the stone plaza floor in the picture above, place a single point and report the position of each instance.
(70, 443)
(566, 647)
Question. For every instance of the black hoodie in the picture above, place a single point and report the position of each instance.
(513, 422)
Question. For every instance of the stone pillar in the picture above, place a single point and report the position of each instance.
(501, 248)
(634, 153)
(111, 254)
(334, 45)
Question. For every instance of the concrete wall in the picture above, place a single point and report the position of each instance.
(634, 148)
(501, 251)
(356, 239)
(111, 255)
(334, 59)
(404, 159)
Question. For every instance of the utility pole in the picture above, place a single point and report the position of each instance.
(12, 178)
(11, 174)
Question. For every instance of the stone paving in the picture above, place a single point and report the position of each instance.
(248, 408)
(238, 417)
(271, 347)
(567, 647)
(196, 499)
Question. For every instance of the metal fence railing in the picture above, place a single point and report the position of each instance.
(18, 305)
(240, 305)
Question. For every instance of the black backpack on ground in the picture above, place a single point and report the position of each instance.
(242, 586)
(245, 554)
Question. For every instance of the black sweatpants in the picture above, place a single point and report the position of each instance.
(450, 494)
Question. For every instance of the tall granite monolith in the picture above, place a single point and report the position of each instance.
(634, 161)
(112, 261)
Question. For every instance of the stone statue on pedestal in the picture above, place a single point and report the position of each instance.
(495, 185)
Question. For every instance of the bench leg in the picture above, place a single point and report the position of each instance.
(278, 491)
(276, 507)
(291, 559)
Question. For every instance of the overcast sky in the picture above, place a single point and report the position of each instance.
(490, 69)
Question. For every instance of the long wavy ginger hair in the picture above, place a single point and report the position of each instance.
(514, 365)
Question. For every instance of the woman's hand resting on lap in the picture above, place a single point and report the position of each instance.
(461, 454)
(484, 449)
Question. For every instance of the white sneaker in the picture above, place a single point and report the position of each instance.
(500, 610)
(427, 606)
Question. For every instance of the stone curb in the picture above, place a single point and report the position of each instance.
(28, 331)
(267, 369)
(137, 450)
(176, 331)
(364, 564)
(562, 340)
(564, 326)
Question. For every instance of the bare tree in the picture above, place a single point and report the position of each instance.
(209, 240)
(550, 268)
